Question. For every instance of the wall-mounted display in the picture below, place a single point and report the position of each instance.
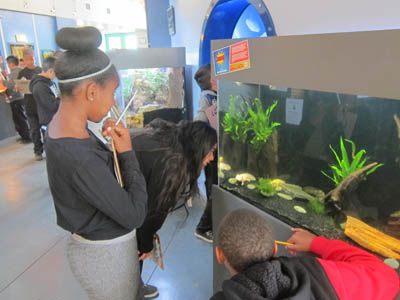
(46, 53)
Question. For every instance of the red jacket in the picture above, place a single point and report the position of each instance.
(355, 273)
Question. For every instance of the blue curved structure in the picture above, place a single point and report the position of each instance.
(228, 19)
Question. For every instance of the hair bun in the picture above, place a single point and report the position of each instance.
(79, 38)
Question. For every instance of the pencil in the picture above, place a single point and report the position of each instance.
(118, 171)
(283, 243)
(115, 110)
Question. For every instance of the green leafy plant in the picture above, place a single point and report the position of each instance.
(316, 206)
(234, 122)
(345, 167)
(265, 187)
(259, 123)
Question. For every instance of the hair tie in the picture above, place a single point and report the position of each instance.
(86, 76)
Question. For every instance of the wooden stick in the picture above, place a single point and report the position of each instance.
(116, 163)
(283, 243)
(119, 177)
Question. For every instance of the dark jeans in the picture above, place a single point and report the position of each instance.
(33, 120)
(211, 174)
(20, 119)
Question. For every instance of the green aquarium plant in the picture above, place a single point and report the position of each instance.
(316, 206)
(265, 187)
(346, 166)
(234, 122)
(259, 123)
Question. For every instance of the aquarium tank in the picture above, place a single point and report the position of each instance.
(311, 158)
(154, 89)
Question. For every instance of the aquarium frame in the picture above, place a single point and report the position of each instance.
(358, 63)
(143, 58)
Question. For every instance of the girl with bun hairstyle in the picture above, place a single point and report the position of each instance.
(89, 202)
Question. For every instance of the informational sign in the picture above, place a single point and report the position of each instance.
(233, 58)
(294, 111)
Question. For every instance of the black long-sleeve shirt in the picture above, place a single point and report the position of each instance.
(30, 104)
(44, 92)
(150, 154)
(87, 197)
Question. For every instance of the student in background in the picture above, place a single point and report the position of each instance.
(44, 91)
(246, 246)
(208, 98)
(16, 100)
(30, 105)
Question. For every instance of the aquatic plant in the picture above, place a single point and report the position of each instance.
(259, 123)
(234, 122)
(345, 167)
(316, 206)
(265, 187)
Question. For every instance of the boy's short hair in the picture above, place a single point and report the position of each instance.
(203, 77)
(49, 63)
(245, 238)
(29, 51)
(12, 60)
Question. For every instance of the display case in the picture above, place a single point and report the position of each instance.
(156, 76)
(309, 136)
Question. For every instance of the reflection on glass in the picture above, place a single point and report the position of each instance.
(310, 157)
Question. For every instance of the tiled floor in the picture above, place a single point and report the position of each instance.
(33, 264)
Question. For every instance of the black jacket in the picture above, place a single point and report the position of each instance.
(44, 93)
(30, 104)
(297, 278)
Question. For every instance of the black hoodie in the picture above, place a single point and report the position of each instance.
(297, 278)
(44, 93)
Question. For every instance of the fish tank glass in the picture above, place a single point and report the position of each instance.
(155, 88)
(311, 158)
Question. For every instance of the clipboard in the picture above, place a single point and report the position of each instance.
(23, 85)
(211, 113)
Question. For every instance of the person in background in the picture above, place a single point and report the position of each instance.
(90, 203)
(246, 246)
(30, 105)
(21, 63)
(44, 91)
(15, 99)
(208, 98)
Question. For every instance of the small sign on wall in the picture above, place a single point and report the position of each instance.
(233, 58)
(21, 38)
(171, 20)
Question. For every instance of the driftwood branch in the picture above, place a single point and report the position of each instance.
(336, 193)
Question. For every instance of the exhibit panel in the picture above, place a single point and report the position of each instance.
(309, 135)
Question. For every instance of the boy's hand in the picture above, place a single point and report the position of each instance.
(121, 138)
(301, 240)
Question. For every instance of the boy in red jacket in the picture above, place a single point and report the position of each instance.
(246, 247)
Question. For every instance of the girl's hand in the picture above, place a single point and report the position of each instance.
(146, 255)
(301, 240)
(121, 138)
(110, 122)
